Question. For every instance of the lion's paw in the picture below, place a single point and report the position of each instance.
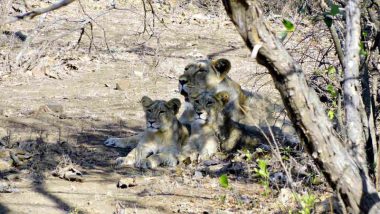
(114, 142)
(148, 164)
(124, 161)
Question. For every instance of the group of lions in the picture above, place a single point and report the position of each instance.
(219, 116)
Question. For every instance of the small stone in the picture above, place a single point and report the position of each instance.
(197, 175)
(122, 85)
(5, 165)
(124, 183)
(286, 196)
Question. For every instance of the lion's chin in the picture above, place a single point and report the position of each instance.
(152, 129)
(201, 121)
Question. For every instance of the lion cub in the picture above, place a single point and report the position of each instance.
(162, 139)
(203, 142)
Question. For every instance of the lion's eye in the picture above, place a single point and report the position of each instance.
(162, 112)
(210, 103)
(149, 110)
(197, 101)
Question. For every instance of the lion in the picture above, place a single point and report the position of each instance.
(247, 110)
(162, 139)
(203, 142)
(203, 74)
(213, 129)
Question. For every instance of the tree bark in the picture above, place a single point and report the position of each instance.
(356, 118)
(305, 110)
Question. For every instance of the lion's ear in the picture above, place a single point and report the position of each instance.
(146, 102)
(222, 66)
(174, 104)
(223, 97)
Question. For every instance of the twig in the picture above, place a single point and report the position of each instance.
(37, 12)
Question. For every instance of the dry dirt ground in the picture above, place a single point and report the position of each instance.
(61, 104)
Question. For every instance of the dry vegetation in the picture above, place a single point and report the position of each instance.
(58, 76)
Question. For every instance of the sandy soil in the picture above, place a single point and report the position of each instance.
(66, 105)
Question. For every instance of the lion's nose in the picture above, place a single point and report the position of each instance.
(151, 122)
(199, 113)
(182, 82)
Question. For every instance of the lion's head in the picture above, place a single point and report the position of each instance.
(208, 107)
(203, 74)
(160, 114)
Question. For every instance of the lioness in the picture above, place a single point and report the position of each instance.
(242, 107)
(162, 139)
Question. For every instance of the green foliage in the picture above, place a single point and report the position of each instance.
(331, 70)
(331, 114)
(307, 203)
(328, 20)
(362, 51)
(288, 25)
(286, 153)
(263, 173)
(334, 10)
(331, 90)
(223, 181)
(248, 154)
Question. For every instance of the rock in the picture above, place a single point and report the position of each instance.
(197, 175)
(329, 205)
(124, 183)
(278, 178)
(122, 85)
(286, 197)
(7, 188)
(5, 165)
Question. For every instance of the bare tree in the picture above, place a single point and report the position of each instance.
(341, 170)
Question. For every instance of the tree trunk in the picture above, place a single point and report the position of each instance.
(305, 110)
(356, 118)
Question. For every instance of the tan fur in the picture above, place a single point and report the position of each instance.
(162, 139)
(203, 142)
(242, 107)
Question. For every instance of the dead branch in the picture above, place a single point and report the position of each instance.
(37, 12)
(305, 110)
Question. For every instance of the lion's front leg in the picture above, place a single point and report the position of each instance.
(127, 142)
(231, 142)
(135, 157)
(160, 159)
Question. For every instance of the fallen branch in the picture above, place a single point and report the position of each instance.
(37, 12)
